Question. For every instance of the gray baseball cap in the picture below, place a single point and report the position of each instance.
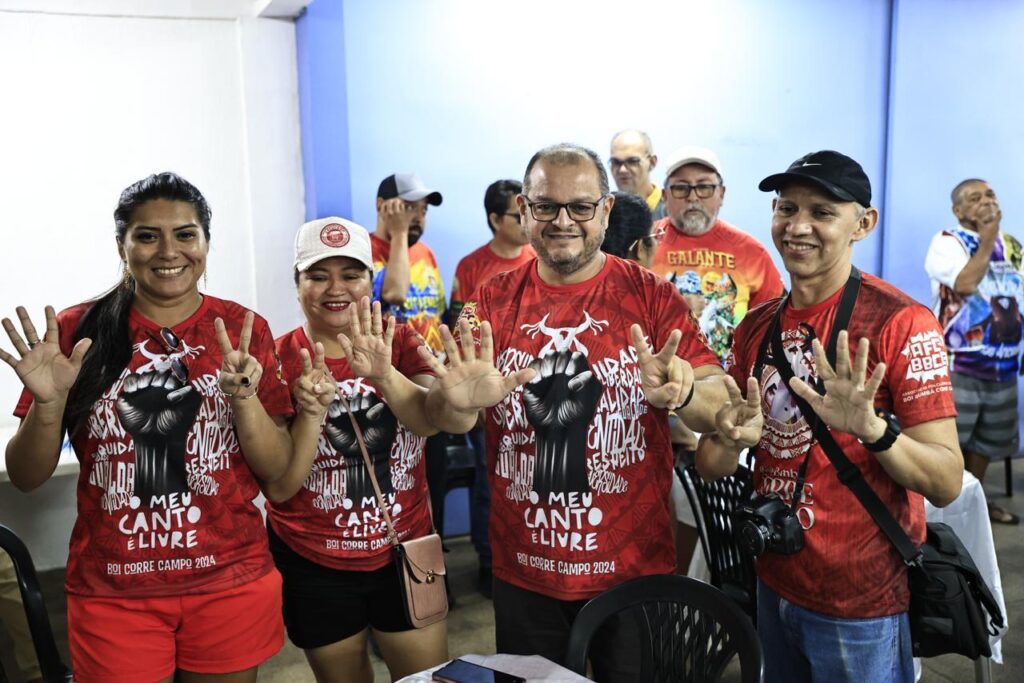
(409, 187)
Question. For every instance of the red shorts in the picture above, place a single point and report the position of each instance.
(147, 639)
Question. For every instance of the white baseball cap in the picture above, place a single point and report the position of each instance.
(333, 236)
(692, 154)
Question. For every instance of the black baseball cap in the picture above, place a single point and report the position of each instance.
(409, 187)
(836, 173)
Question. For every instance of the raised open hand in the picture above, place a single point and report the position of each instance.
(368, 345)
(46, 372)
(316, 388)
(239, 373)
(665, 378)
(471, 382)
(849, 401)
(739, 421)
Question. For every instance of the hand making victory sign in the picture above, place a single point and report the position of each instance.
(240, 373)
(316, 388)
(849, 401)
(738, 423)
(368, 345)
(46, 372)
(471, 381)
(667, 379)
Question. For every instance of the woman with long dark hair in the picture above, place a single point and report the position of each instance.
(327, 531)
(163, 394)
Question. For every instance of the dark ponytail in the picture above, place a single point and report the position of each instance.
(106, 321)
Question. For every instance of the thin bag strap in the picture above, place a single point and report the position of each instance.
(392, 534)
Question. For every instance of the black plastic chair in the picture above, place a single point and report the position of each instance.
(732, 570)
(689, 630)
(50, 663)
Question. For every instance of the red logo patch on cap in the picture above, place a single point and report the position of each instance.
(334, 235)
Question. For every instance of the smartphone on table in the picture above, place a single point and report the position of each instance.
(461, 671)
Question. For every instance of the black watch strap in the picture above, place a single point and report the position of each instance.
(888, 438)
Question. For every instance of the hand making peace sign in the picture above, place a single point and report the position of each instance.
(316, 387)
(666, 379)
(240, 373)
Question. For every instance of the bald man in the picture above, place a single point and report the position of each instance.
(632, 160)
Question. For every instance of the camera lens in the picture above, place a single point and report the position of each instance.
(753, 537)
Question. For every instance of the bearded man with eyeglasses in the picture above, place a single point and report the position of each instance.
(721, 270)
(588, 354)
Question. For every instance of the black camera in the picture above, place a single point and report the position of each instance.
(767, 524)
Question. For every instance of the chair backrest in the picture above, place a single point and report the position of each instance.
(50, 664)
(689, 630)
(714, 502)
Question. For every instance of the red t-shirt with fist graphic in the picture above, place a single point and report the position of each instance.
(164, 491)
(847, 568)
(334, 519)
(580, 464)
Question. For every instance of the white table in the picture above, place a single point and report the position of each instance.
(533, 668)
(968, 517)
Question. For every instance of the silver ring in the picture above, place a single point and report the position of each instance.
(34, 344)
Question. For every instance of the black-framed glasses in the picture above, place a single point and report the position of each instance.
(683, 190)
(578, 211)
(514, 214)
(172, 345)
(630, 162)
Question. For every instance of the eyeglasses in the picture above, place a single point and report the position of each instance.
(578, 211)
(683, 190)
(172, 344)
(514, 214)
(631, 162)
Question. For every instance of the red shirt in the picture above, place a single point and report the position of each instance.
(423, 308)
(195, 529)
(847, 568)
(580, 464)
(324, 522)
(479, 267)
(723, 273)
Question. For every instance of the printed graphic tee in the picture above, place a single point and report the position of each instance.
(164, 491)
(423, 308)
(479, 267)
(982, 329)
(580, 464)
(722, 274)
(334, 519)
(847, 567)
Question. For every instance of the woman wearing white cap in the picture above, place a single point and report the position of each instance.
(327, 533)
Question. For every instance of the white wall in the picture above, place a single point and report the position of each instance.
(92, 103)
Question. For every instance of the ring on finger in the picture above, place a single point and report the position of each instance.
(32, 343)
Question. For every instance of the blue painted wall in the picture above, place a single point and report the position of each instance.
(464, 92)
(956, 113)
(323, 110)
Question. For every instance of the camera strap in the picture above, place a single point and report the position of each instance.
(848, 473)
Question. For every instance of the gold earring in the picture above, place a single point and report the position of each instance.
(126, 277)
(205, 283)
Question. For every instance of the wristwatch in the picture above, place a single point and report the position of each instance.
(892, 430)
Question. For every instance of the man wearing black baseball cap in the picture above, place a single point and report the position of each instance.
(832, 593)
(407, 282)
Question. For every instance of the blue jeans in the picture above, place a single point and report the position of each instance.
(480, 500)
(801, 645)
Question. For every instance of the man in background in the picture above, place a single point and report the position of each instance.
(978, 290)
(508, 249)
(721, 270)
(407, 282)
(632, 160)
